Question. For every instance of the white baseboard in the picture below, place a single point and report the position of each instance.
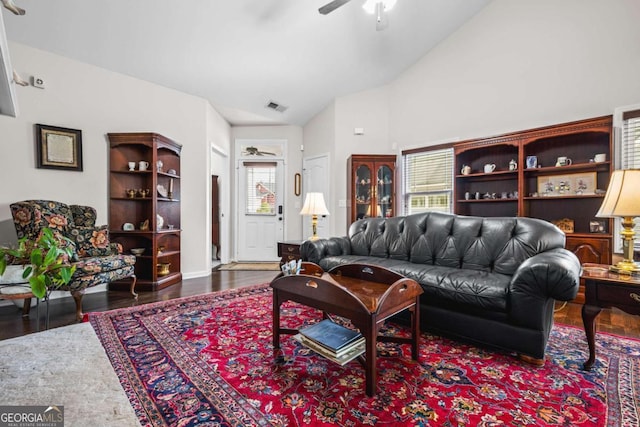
(196, 274)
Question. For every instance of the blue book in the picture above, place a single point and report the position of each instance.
(330, 335)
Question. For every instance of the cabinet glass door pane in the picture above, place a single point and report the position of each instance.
(385, 192)
(363, 192)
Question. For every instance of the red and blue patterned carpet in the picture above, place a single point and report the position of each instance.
(208, 361)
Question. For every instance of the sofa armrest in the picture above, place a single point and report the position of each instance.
(551, 274)
(548, 276)
(316, 250)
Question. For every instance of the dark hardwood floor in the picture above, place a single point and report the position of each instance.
(62, 311)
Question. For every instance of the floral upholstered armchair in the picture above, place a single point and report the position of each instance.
(97, 260)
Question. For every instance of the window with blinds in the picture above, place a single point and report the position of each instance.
(627, 146)
(427, 181)
(261, 186)
(630, 140)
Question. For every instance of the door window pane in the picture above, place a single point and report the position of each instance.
(261, 188)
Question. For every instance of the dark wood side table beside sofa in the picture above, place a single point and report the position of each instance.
(605, 289)
(289, 250)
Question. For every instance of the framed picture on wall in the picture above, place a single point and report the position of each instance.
(58, 148)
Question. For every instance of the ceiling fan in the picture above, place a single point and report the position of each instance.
(253, 151)
(379, 7)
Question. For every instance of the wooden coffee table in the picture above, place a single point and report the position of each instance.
(366, 295)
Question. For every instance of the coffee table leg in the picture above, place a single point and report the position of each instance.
(276, 321)
(370, 362)
(589, 314)
(415, 331)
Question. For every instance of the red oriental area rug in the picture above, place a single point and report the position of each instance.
(208, 361)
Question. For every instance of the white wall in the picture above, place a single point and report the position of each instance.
(320, 139)
(97, 101)
(516, 65)
(332, 131)
(519, 65)
(293, 165)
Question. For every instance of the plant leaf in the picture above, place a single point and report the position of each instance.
(27, 272)
(65, 274)
(36, 257)
(38, 286)
(50, 257)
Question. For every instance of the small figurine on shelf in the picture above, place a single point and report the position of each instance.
(144, 225)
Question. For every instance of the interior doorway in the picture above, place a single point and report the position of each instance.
(315, 173)
(220, 180)
(215, 218)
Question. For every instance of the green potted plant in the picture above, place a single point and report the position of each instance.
(46, 260)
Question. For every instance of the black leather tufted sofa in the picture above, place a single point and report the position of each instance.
(491, 281)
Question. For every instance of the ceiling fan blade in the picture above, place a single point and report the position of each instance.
(331, 6)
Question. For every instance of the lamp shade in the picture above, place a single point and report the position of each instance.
(622, 198)
(314, 205)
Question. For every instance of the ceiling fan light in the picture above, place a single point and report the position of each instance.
(370, 5)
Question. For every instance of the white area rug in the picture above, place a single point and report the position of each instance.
(64, 366)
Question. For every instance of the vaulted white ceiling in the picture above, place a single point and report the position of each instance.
(240, 54)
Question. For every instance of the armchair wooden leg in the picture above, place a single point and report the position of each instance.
(77, 296)
(133, 286)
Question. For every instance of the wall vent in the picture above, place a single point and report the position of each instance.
(275, 106)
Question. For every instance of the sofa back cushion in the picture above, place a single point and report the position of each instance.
(83, 216)
(31, 216)
(497, 245)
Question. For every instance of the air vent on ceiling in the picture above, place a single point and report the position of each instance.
(275, 106)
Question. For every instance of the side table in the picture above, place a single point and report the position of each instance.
(605, 289)
(14, 287)
(289, 251)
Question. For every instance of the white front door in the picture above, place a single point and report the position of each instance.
(260, 204)
(315, 178)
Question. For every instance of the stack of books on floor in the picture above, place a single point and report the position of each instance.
(333, 341)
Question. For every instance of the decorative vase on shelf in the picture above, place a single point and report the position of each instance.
(159, 221)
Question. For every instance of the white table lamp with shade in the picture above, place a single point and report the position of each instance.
(314, 205)
(623, 201)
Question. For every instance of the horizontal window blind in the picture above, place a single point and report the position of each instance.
(630, 140)
(427, 181)
(628, 146)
